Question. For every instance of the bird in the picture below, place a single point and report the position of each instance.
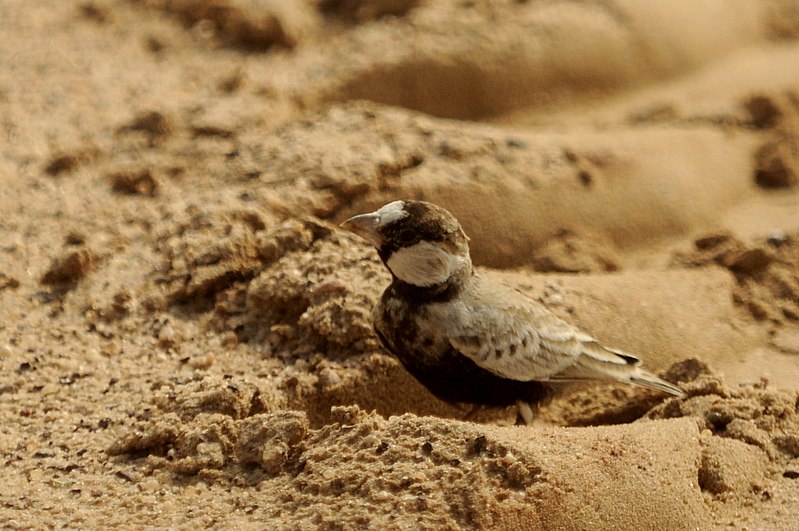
(469, 339)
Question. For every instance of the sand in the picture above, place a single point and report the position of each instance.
(185, 335)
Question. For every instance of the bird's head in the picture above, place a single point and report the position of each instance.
(421, 243)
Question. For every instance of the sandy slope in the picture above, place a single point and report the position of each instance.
(185, 337)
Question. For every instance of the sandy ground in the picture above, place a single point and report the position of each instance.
(185, 337)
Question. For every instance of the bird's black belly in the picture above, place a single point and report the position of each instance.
(456, 378)
(453, 377)
(429, 357)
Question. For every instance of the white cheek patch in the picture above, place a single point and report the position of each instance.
(423, 264)
(391, 212)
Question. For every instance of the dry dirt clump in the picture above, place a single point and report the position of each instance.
(136, 182)
(749, 438)
(326, 293)
(575, 252)
(8, 282)
(777, 159)
(365, 10)
(206, 253)
(756, 415)
(70, 267)
(214, 425)
(783, 19)
(767, 271)
(301, 286)
(249, 24)
(60, 162)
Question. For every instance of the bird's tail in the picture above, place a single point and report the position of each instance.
(650, 381)
(598, 362)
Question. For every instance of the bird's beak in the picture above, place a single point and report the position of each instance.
(366, 226)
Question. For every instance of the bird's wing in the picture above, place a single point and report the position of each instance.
(518, 338)
(506, 333)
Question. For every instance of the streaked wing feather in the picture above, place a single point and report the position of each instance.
(510, 343)
(518, 338)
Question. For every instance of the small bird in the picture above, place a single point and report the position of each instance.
(465, 338)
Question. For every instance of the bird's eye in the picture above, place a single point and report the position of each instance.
(406, 236)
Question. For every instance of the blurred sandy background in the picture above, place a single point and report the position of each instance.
(185, 337)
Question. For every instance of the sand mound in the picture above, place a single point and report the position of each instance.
(460, 69)
(362, 469)
(766, 271)
(526, 187)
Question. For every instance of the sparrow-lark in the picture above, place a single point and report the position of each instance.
(468, 339)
